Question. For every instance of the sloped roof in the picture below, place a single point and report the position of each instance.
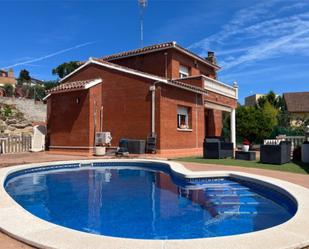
(163, 80)
(157, 47)
(297, 102)
(124, 69)
(74, 85)
(7, 80)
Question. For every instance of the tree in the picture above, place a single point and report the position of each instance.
(246, 122)
(65, 68)
(50, 84)
(271, 98)
(267, 121)
(9, 90)
(255, 123)
(36, 92)
(24, 76)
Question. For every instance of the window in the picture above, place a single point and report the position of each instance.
(183, 121)
(183, 71)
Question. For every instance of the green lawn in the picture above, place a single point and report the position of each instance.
(295, 167)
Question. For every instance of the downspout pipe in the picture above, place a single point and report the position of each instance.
(152, 89)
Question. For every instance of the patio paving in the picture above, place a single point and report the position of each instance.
(24, 158)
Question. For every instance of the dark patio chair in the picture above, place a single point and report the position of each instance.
(276, 154)
(217, 148)
(133, 146)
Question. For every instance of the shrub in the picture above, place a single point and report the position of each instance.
(7, 111)
(9, 90)
(255, 123)
(36, 92)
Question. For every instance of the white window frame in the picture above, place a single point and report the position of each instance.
(183, 71)
(183, 111)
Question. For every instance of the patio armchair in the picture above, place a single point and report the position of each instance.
(133, 146)
(276, 153)
(217, 148)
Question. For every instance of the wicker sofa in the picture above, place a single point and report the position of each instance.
(217, 148)
(276, 154)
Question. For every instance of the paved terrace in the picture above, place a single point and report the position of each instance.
(25, 158)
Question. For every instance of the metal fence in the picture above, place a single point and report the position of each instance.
(15, 144)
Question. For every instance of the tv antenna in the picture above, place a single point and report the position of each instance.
(142, 5)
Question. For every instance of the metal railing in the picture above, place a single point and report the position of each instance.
(11, 144)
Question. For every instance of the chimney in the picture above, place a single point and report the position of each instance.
(211, 57)
(11, 73)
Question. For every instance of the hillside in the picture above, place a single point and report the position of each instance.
(17, 116)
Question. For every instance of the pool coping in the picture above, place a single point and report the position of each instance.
(22, 225)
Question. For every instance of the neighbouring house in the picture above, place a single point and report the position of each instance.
(163, 90)
(7, 77)
(32, 82)
(252, 100)
(297, 104)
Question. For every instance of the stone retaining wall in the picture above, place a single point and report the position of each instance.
(32, 111)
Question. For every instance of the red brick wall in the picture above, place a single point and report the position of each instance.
(126, 101)
(68, 121)
(213, 122)
(221, 99)
(95, 105)
(197, 81)
(196, 67)
(170, 137)
(214, 117)
(154, 63)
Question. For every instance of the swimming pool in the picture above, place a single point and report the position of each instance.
(167, 181)
(145, 200)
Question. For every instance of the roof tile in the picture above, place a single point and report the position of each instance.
(297, 102)
(69, 86)
(153, 48)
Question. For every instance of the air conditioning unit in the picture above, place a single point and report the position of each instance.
(102, 138)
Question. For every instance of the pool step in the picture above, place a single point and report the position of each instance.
(235, 203)
(231, 195)
(238, 212)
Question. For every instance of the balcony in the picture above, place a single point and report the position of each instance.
(220, 88)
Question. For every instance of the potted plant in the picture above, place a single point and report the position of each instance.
(245, 145)
(100, 149)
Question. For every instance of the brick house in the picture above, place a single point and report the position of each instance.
(162, 89)
(7, 77)
(297, 104)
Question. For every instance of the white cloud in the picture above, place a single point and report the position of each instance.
(240, 19)
(49, 55)
(258, 33)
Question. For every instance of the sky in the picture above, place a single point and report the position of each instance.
(263, 45)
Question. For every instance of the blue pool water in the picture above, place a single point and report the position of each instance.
(147, 202)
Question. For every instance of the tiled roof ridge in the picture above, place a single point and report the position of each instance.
(70, 85)
(153, 48)
(139, 50)
(180, 83)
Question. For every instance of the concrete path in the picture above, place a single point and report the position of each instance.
(24, 158)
